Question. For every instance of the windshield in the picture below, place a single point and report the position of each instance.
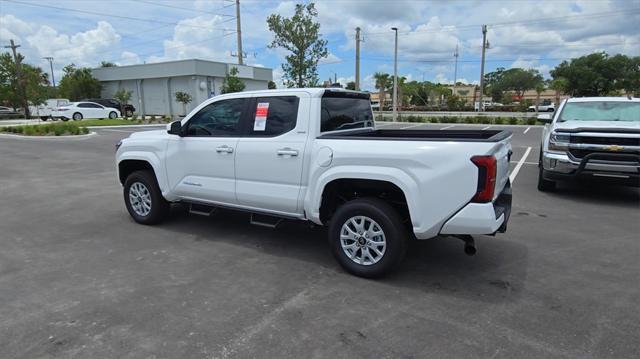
(344, 111)
(600, 111)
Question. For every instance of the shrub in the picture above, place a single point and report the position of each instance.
(531, 121)
(469, 119)
(134, 117)
(499, 120)
(433, 120)
(513, 121)
(152, 119)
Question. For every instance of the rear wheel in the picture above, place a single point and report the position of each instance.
(77, 116)
(367, 237)
(44, 118)
(113, 115)
(143, 198)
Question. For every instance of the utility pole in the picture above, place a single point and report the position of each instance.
(395, 76)
(455, 71)
(239, 32)
(357, 59)
(53, 79)
(21, 84)
(484, 48)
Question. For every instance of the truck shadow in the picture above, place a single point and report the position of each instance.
(598, 193)
(439, 266)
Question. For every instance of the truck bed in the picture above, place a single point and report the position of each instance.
(421, 135)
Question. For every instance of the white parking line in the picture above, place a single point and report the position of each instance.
(412, 126)
(515, 171)
(527, 130)
(444, 128)
(485, 128)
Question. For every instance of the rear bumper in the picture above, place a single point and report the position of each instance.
(615, 167)
(482, 218)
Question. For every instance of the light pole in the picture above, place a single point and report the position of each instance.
(395, 76)
(53, 79)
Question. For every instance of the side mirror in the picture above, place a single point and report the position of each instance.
(545, 118)
(175, 128)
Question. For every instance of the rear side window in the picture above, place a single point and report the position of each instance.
(273, 116)
(345, 111)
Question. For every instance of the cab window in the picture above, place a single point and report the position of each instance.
(221, 118)
(273, 116)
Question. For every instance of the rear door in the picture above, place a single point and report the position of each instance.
(270, 156)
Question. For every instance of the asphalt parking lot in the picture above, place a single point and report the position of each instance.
(79, 279)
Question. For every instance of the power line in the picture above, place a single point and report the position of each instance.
(110, 15)
(452, 28)
(182, 8)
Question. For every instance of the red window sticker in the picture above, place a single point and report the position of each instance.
(262, 111)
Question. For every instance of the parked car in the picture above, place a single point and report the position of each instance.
(79, 110)
(113, 103)
(7, 111)
(315, 155)
(550, 107)
(591, 138)
(45, 110)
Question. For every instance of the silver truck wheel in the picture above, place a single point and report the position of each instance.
(140, 199)
(363, 240)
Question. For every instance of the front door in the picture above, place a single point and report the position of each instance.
(270, 155)
(201, 163)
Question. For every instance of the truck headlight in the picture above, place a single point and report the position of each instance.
(559, 142)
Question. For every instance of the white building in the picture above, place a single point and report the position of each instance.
(153, 86)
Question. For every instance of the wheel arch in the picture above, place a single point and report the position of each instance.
(131, 162)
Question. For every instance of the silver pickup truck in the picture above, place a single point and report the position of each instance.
(594, 138)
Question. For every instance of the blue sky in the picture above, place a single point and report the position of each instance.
(529, 34)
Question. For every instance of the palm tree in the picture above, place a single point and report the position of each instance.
(539, 88)
(560, 86)
(382, 84)
(402, 80)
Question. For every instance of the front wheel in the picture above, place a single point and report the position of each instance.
(367, 237)
(113, 115)
(544, 185)
(143, 198)
(77, 116)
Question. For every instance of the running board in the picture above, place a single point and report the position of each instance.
(201, 209)
(265, 220)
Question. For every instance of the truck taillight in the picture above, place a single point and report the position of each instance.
(487, 167)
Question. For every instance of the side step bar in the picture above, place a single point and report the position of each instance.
(201, 209)
(265, 220)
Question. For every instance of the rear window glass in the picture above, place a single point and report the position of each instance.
(273, 116)
(345, 111)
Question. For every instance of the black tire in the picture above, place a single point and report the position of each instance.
(64, 119)
(77, 116)
(44, 118)
(531, 110)
(113, 115)
(128, 113)
(550, 110)
(388, 219)
(159, 207)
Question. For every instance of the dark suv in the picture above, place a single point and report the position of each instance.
(128, 110)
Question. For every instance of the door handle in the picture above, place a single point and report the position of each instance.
(225, 149)
(287, 152)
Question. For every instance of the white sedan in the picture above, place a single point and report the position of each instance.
(79, 110)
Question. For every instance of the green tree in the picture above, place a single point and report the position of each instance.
(79, 83)
(107, 64)
(559, 85)
(184, 98)
(271, 85)
(598, 74)
(300, 35)
(232, 83)
(34, 81)
(383, 82)
(351, 85)
(123, 96)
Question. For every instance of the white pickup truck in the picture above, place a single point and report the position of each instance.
(595, 138)
(316, 155)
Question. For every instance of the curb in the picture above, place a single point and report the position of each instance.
(71, 137)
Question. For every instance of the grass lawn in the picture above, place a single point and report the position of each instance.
(50, 129)
(121, 122)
